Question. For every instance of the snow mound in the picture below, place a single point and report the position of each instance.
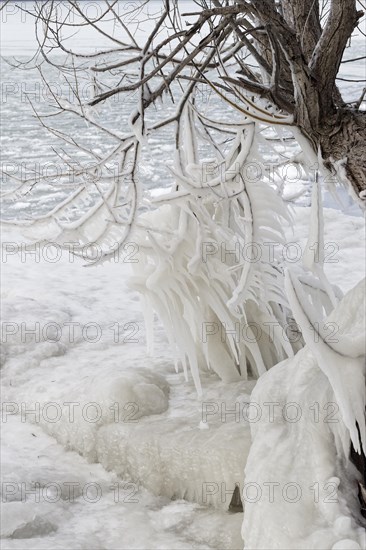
(125, 424)
(75, 416)
(298, 478)
(24, 340)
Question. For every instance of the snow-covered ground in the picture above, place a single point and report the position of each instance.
(149, 433)
(118, 440)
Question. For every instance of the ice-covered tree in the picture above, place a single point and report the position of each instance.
(272, 68)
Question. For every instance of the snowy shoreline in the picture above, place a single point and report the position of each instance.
(166, 451)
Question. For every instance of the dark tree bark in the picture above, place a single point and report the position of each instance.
(313, 56)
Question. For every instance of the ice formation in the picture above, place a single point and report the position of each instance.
(301, 488)
(184, 455)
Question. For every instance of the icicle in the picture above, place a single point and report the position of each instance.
(344, 372)
(313, 258)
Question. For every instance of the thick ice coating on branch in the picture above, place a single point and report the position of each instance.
(308, 486)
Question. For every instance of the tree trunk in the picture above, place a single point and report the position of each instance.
(346, 141)
(312, 59)
(341, 138)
